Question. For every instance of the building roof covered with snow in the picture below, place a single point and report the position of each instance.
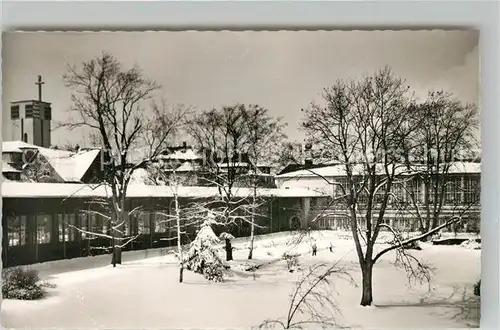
(75, 190)
(339, 170)
(69, 166)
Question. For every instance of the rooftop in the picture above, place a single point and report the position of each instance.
(339, 170)
(30, 101)
(74, 190)
(70, 166)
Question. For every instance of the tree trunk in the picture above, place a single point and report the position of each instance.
(229, 250)
(117, 256)
(179, 245)
(116, 250)
(367, 289)
(252, 225)
(113, 254)
(252, 237)
(181, 272)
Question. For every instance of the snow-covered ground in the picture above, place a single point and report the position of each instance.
(144, 292)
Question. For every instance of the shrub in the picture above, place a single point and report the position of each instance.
(477, 288)
(202, 257)
(214, 272)
(19, 283)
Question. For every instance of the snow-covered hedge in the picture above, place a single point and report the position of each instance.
(19, 283)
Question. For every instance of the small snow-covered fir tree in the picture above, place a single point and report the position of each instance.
(202, 256)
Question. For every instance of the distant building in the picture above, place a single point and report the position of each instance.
(27, 162)
(461, 192)
(195, 167)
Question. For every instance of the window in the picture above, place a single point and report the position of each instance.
(453, 191)
(84, 221)
(399, 192)
(17, 230)
(61, 227)
(161, 223)
(472, 190)
(96, 223)
(28, 111)
(14, 112)
(415, 190)
(340, 187)
(12, 176)
(47, 113)
(70, 232)
(44, 228)
(143, 222)
(41, 130)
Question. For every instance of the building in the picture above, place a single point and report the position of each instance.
(28, 155)
(31, 120)
(39, 219)
(460, 195)
(26, 162)
(198, 167)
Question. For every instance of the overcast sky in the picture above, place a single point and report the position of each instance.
(281, 71)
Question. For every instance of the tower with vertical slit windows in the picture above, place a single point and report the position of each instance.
(31, 120)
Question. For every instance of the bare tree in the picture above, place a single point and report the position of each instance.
(291, 153)
(182, 216)
(445, 135)
(225, 136)
(312, 302)
(109, 100)
(265, 136)
(366, 124)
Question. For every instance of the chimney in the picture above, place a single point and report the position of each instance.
(77, 148)
(308, 160)
(184, 145)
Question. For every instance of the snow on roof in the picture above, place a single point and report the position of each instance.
(16, 146)
(339, 170)
(68, 190)
(6, 168)
(70, 167)
(186, 167)
(187, 154)
(465, 167)
(233, 164)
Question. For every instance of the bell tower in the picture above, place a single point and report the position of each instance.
(31, 119)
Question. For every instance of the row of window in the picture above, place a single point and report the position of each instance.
(343, 223)
(73, 227)
(30, 111)
(456, 190)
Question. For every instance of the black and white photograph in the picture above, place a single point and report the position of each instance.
(241, 179)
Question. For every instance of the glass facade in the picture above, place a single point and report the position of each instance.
(17, 230)
(44, 228)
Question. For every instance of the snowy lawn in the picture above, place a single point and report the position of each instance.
(144, 292)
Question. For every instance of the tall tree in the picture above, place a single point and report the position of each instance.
(444, 134)
(109, 99)
(366, 124)
(226, 136)
(265, 137)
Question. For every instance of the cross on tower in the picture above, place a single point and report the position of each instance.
(39, 83)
